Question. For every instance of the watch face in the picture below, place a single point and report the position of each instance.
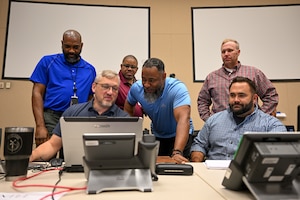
(14, 143)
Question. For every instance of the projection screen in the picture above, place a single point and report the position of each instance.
(35, 29)
(269, 38)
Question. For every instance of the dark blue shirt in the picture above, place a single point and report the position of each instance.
(87, 110)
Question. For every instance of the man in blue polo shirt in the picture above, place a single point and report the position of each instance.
(60, 80)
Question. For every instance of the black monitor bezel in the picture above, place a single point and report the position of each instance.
(234, 173)
(108, 146)
(249, 138)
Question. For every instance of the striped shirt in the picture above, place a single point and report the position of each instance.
(215, 90)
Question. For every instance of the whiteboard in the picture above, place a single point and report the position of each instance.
(269, 38)
(109, 33)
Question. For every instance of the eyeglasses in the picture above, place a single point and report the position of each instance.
(107, 87)
(131, 66)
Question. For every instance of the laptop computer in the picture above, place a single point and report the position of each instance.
(73, 128)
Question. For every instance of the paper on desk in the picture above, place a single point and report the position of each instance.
(217, 164)
(27, 195)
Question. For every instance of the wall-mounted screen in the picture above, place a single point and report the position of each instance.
(268, 36)
(109, 33)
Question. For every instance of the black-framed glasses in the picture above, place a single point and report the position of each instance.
(131, 66)
(107, 87)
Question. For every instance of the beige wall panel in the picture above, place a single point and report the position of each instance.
(171, 40)
(16, 107)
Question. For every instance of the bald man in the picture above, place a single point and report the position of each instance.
(60, 80)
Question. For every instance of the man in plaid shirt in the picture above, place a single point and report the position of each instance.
(215, 87)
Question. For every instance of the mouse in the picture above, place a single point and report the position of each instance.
(56, 162)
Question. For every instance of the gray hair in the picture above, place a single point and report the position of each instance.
(231, 40)
(110, 74)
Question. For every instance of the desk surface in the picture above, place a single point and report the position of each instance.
(204, 183)
(214, 178)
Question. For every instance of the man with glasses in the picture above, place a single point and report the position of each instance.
(105, 88)
(128, 69)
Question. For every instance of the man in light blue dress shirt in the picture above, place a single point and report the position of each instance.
(221, 134)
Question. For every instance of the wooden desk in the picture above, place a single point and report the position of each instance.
(204, 183)
(167, 187)
(214, 178)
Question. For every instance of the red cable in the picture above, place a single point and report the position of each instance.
(67, 189)
(55, 193)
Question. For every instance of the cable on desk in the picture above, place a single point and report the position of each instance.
(154, 177)
(59, 179)
(66, 188)
(39, 167)
(53, 194)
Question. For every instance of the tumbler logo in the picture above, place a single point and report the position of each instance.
(15, 143)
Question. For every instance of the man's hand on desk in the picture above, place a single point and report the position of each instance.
(179, 159)
(165, 159)
(168, 159)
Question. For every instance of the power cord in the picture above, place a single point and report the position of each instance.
(154, 177)
(64, 189)
(60, 172)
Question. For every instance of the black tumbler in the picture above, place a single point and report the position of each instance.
(18, 143)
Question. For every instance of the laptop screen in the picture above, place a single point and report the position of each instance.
(73, 128)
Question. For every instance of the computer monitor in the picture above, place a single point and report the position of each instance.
(108, 146)
(110, 163)
(264, 163)
(110, 151)
(73, 128)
